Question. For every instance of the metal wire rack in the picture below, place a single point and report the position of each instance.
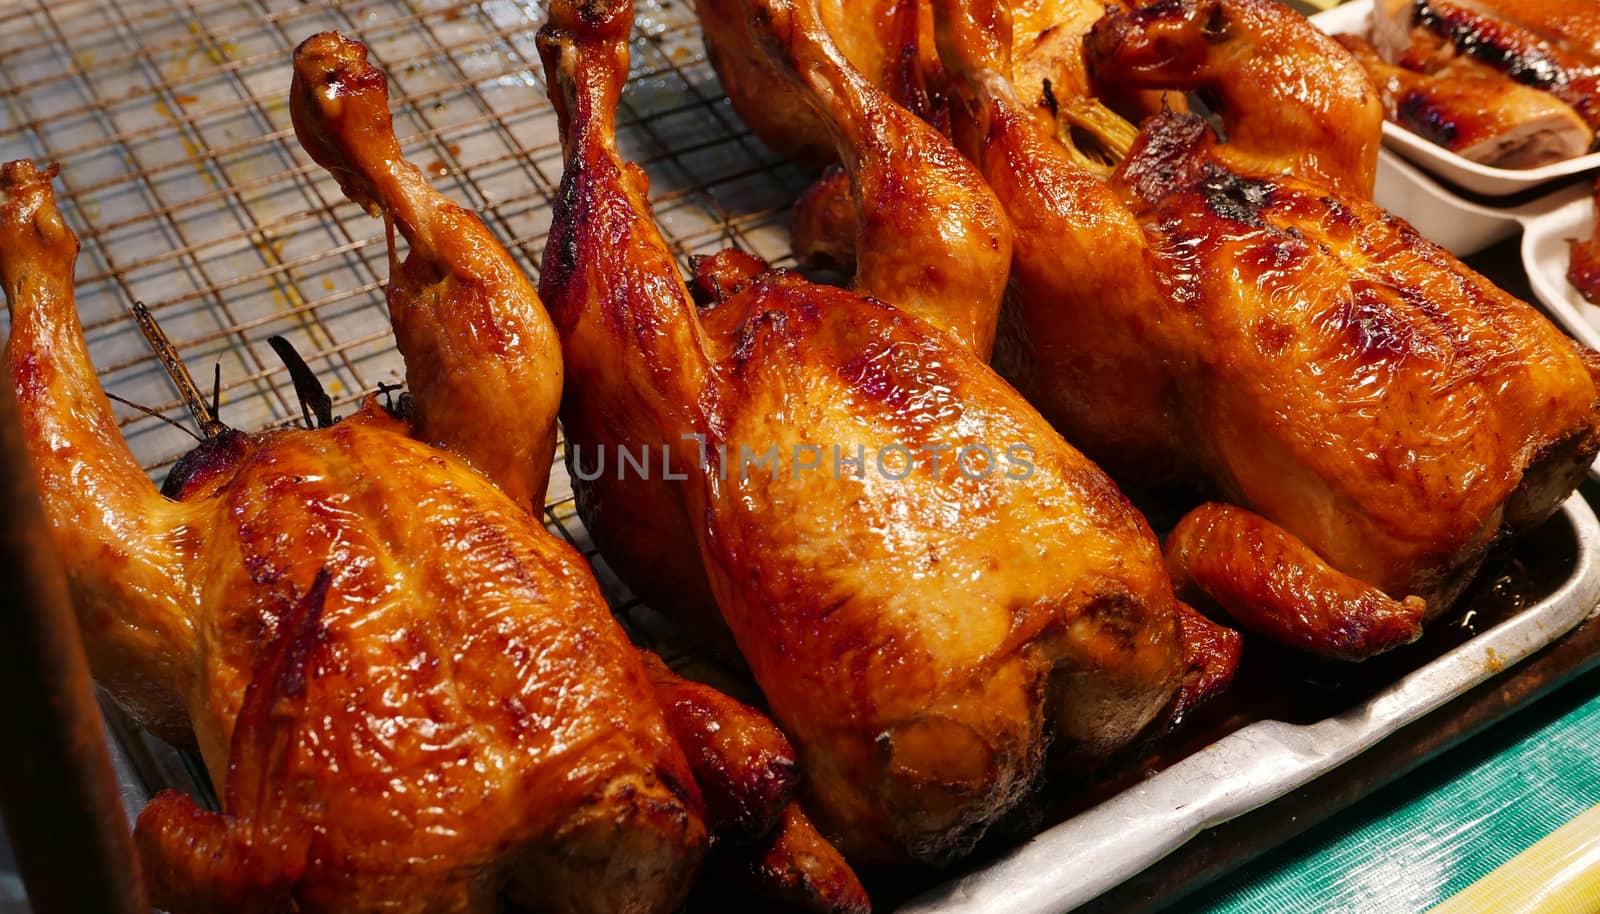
(182, 177)
(180, 172)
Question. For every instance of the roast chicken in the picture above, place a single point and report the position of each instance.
(764, 846)
(411, 697)
(1471, 109)
(1368, 412)
(922, 632)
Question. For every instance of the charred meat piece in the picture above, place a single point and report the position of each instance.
(1584, 270)
(1554, 53)
(1475, 111)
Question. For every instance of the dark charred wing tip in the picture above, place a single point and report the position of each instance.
(314, 400)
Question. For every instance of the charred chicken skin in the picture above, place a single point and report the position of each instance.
(921, 638)
(414, 698)
(1372, 412)
(1473, 110)
(1551, 45)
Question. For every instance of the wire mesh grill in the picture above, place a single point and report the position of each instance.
(181, 174)
(182, 177)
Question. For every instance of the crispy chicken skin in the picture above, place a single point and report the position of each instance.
(1289, 97)
(929, 234)
(742, 763)
(1474, 111)
(415, 698)
(883, 39)
(481, 357)
(1375, 411)
(1584, 270)
(1552, 45)
(921, 640)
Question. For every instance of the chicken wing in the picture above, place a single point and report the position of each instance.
(414, 696)
(921, 633)
(1288, 96)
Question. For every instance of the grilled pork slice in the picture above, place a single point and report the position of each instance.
(1549, 45)
(1475, 112)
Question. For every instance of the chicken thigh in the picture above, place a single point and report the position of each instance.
(921, 631)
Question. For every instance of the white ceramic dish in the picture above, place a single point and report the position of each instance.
(1566, 215)
(1463, 228)
(1479, 179)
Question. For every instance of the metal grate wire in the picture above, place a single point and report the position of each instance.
(181, 175)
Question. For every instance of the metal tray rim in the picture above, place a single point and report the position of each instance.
(1073, 862)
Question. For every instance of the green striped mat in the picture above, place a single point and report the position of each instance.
(1439, 829)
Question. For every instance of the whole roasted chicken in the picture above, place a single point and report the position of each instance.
(1369, 412)
(923, 630)
(412, 697)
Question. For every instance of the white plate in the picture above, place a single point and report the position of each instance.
(1566, 215)
(1354, 18)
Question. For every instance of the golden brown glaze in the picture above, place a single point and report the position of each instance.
(883, 39)
(1306, 355)
(1584, 269)
(482, 361)
(1289, 97)
(823, 230)
(1547, 45)
(929, 235)
(1269, 578)
(744, 764)
(1475, 111)
(1210, 658)
(415, 697)
(921, 640)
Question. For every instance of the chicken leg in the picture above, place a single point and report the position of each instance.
(929, 236)
(482, 361)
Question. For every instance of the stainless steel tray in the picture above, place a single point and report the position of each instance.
(1075, 861)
